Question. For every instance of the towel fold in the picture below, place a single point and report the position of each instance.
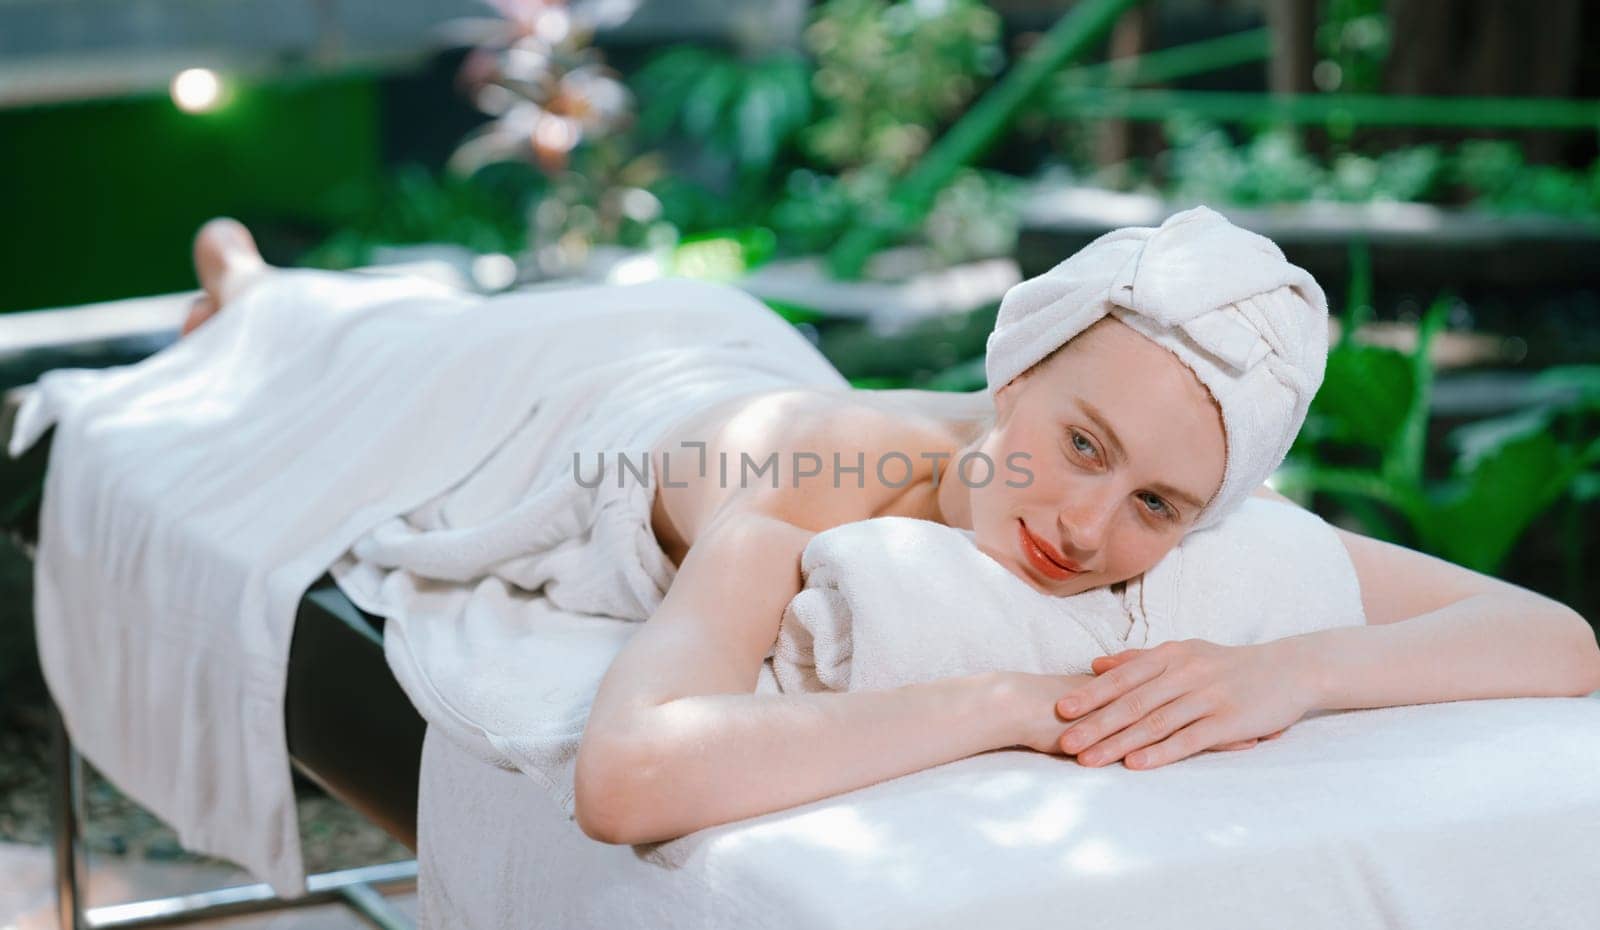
(895, 601)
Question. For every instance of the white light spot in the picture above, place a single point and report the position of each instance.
(634, 270)
(494, 272)
(553, 25)
(555, 133)
(196, 90)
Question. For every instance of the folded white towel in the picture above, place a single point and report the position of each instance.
(1252, 327)
(895, 601)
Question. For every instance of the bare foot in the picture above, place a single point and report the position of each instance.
(226, 260)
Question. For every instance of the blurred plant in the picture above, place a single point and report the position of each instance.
(545, 86)
(744, 111)
(889, 73)
(1494, 173)
(1507, 471)
(810, 153)
(1203, 164)
(557, 106)
(1354, 39)
(975, 215)
(485, 213)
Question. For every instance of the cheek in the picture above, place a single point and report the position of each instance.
(1137, 551)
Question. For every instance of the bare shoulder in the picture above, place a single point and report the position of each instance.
(788, 455)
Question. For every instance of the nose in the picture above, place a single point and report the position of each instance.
(1085, 519)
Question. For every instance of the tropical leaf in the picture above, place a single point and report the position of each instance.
(1364, 397)
(1482, 513)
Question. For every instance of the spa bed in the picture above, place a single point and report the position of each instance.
(1468, 815)
(1472, 814)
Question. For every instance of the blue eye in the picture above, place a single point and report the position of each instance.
(1160, 507)
(1083, 445)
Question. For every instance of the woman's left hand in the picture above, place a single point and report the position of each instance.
(1150, 707)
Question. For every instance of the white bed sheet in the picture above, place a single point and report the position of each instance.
(1481, 814)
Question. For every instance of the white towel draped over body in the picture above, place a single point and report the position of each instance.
(417, 443)
(192, 498)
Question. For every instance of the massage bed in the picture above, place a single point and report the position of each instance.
(1471, 814)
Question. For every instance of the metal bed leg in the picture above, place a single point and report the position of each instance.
(354, 888)
(66, 809)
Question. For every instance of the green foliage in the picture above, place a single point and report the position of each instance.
(974, 216)
(1354, 37)
(1506, 472)
(483, 213)
(1204, 164)
(889, 73)
(1494, 173)
(813, 147)
(816, 207)
(722, 256)
(749, 112)
(1356, 404)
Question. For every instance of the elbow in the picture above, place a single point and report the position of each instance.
(611, 793)
(1586, 656)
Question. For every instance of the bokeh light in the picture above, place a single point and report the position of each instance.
(197, 90)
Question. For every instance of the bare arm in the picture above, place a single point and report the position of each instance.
(676, 741)
(1439, 632)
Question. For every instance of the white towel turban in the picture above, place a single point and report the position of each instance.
(1252, 326)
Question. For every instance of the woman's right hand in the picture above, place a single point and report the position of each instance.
(1031, 701)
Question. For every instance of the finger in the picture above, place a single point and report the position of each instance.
(1274, 734)
(1196, 737)
(1101, 664)
(1236, 745)
(1167, 712)
(1108, 687)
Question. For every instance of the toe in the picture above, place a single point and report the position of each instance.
(202, 309)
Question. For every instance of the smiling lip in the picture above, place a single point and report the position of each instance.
(1042, 557)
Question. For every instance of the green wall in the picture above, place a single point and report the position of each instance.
(101, 200)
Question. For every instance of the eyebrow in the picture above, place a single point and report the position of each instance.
(1121, 454)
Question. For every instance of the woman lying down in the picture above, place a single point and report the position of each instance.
(1139, 392)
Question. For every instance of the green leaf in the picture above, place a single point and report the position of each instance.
(795, 313)
(1364, 397)
(1583, 381)
(877, 383)
(963, 376)
(1476, 441)
(703, 109)
(756, 114)
(1486, 509)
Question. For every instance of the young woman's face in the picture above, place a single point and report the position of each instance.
(1124, 446)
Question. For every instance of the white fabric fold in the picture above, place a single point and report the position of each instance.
(896, 601)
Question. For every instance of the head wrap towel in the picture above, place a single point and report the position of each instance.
(1252, 327)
